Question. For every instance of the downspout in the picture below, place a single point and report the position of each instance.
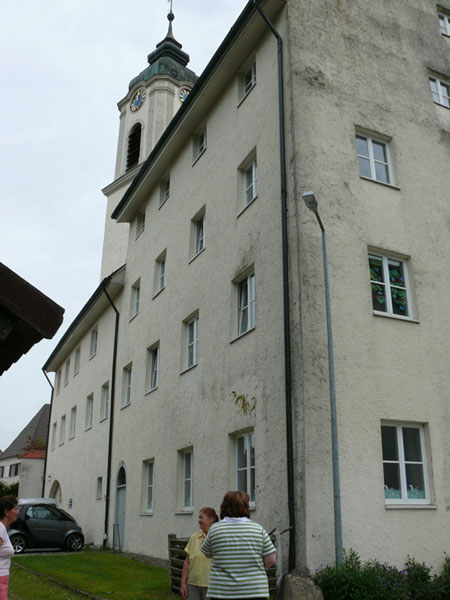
(111, 416)
(48, 433)
(286, 308)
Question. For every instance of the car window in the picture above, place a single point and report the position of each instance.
(46, 512)
(30, 512)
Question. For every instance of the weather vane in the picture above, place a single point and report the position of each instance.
(170, 2)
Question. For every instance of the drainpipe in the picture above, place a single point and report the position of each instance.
(286, 309)
(111, 416)
(48, 433)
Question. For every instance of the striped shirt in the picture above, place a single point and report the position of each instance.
(237, 568)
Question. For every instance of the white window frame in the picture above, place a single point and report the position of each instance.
(54, 427)
(251, 182)
(188, 480)
(149, 485)
(73, 422)
(93, 343)
(66, 372)
(126, 390)
(441, 92)
(200, 144)
(104, 402)
(62, 430)
(386, 284)
(89, 411)
(192, 342)
(159, 280)
(246, 284)
(444, 23)
(76, 362)
(200, 234)
(135, 298)
(248, 80)
(371, 158)
(402, 462)
(249, 468)
(153, 367)
(140, 223)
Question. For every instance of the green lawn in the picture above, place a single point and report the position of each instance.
(102, 574)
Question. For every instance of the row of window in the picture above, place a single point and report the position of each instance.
(405, 472)
(76, 362)
(14, 471)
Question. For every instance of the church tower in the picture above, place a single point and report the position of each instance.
(153, 98)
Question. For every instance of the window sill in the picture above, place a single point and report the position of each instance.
(241, 335)
(88, 428)
(71, 437)
(161, 204)
(92, 356)
(446, 34)
(188, 369)
(197, 158)
(411, 506)
(61, 444)
(133, 317)
(103, 419)
(440, 104)
(188, 511)
(389, 185)
(377, 313)
(198, 254)
(148, 513)
(151, 391)
(245, 95)
(246, 206)
(158, 292)
(125, 406)
(75, 374)
(139, 234)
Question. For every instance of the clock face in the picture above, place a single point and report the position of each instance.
(137, 100)
(184, 93)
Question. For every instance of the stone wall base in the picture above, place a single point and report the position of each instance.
(297, 587)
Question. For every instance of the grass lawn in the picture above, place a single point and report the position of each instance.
(102, 574)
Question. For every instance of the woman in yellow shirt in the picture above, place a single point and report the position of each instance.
(195, 576)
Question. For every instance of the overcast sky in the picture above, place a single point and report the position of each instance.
(64, 65)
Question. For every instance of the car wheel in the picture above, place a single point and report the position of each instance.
(19, 543)
(74, 542)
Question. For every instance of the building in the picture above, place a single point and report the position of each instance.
(26, 467)
(200, 363)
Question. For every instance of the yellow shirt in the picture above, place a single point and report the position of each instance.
(199, 565)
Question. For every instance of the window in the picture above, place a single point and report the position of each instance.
(152, 368)
(187, 480)
(160, 272)
(73, 422)
(245, 465)
(89, 410)
(192, 342)
(197, 238)
(148, 488)
(135, 297)
(164, 193)
(94, 340)
(134, 146)
(389, 283)
(199, 144)
(248, 80)
(246, 304)
(14, 470)
(62, 430)
(2, 470)
(444, 22)
(140, 223)
(53, 436)
(250, 182)
(99, 492)
(126, 386)
(66, 372)
(104, 401)
(440, 90)
(58, 381)
(374, 159)
(404, 466)
(76, 362)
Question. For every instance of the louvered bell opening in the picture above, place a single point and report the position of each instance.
(134, 144)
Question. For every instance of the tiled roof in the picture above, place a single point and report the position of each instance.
(36, 428)
(34, 454)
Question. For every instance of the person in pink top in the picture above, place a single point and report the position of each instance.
(8, 514)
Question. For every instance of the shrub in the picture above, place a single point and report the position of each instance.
(354, 580)
(8, 490)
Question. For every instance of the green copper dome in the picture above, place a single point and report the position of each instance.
(167, 59)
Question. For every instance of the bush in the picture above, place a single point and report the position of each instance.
(354, 580)
(8, 490)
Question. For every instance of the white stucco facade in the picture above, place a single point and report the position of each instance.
(185, 381)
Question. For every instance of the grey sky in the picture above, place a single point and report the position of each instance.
(64, 65)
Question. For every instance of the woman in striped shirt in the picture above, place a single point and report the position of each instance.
(241, 550)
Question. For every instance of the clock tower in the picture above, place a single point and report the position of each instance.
(153, 98)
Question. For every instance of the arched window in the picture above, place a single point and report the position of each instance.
(121, 478)
(134, 146)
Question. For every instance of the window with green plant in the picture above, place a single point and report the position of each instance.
(389, 284)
